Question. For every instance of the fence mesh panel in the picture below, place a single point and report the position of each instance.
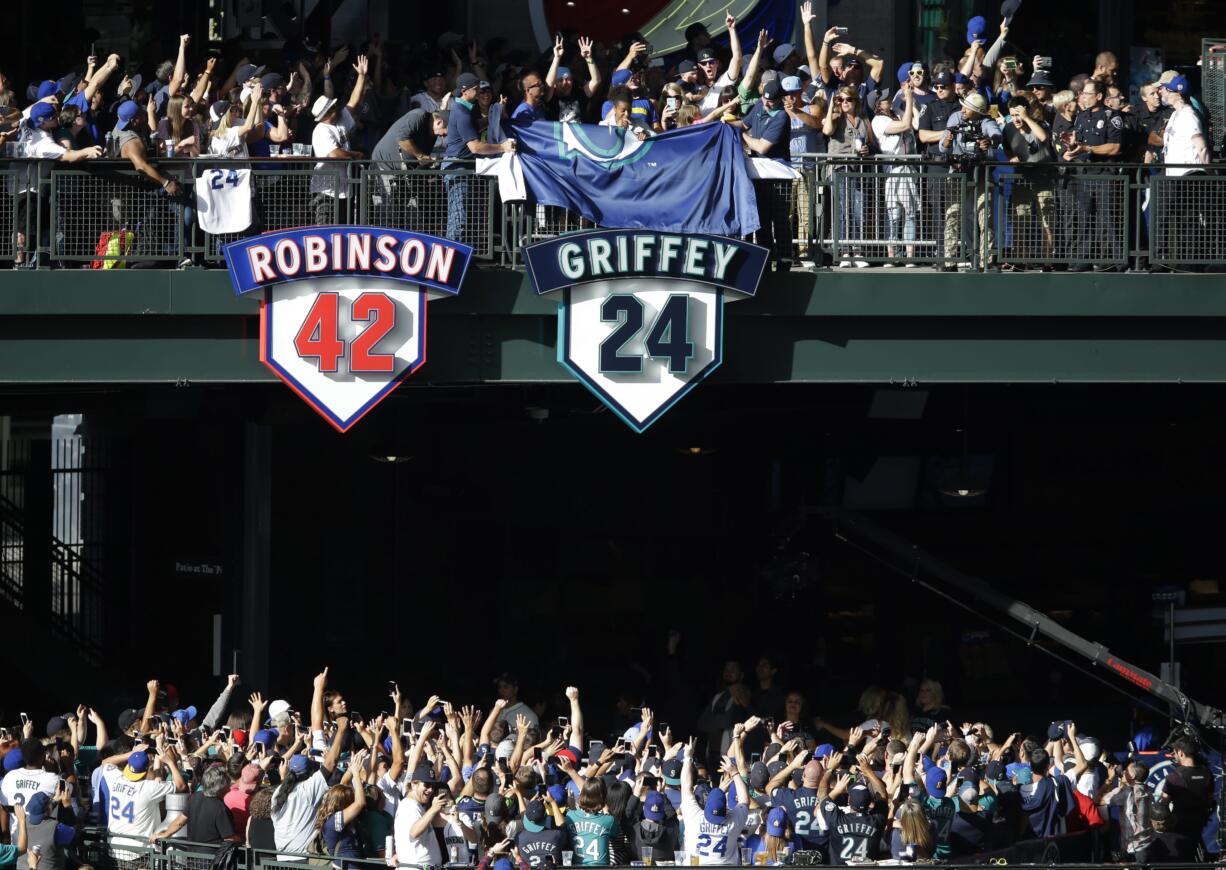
(1026, 206)
(1187, 216)
(86, 205)
(453, 203)
(9, 198)
(1213, 88)
(1092, 209)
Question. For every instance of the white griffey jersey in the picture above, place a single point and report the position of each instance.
(713, 844)
(19, 785)
(223, 200)
(134, 808)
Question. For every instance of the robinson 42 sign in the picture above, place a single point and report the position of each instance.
(641, 317)
(343, 318)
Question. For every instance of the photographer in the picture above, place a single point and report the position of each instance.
(970, 136)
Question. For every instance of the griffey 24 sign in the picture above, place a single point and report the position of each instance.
(641, 318)
(343, 320)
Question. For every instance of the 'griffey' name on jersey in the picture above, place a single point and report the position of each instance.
(589, 827)
(618, 254)
(123, 786)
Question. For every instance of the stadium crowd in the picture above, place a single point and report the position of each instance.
(406, 109)
(753, 782)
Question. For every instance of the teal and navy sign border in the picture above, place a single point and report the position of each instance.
(413, 263)
(740, 275)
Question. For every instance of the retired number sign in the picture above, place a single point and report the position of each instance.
(641, 316)
(343, 320)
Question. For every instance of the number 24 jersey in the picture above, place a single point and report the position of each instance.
(713, 844)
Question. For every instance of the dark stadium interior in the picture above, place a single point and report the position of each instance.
(521, 528)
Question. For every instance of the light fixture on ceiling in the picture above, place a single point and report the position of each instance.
(390, 458)
(696, 451)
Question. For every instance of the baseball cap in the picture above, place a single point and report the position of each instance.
(534, 816)
(976, 28)
(299, 764)
(1090, 747)
(774, 767)
(968, 793)
(568, 754)
(267, 736)
(277, 707)
(272, 81)
(943, 78)
(558, 793)
(248, 71)
(994, 771)
(424, 773)
(185, 715)
(772, 90)
(496, 809)
(127, 111)
(776, 821)
(68, 83)
(653, 806)
(1041, 79)
(1167, 76)
(137, 767)
(791, 85)
(759, 776)
(715, 808)
(563, 73)
(218, 109)
(859, 797)
(672, 772)
(936, 780)
(1177, 84)
(1009, 8)
(707, 54)
(36, 808)
(686, 66)
(823, 750)
(465, 81)
(904, 71)
(48, 89)
(12, 760)
(620, 77)
(40, 112)
(783, 52)
(961, 79)
(975, 102)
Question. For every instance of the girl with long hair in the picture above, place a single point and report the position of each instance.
(912, 839)
(336, 818)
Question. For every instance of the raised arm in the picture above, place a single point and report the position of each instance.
(594, 78)
(687, 767)
(334, 751)
(397, 766)
(202, 83)
(153, 685)
(989, 59)
(559, 49)
(577, 729)
(355, 98)
(253, 124)
(751, 71)
(358, 769)
(179, 77)
(1080, 764)
(317, 701)
(807, 18)
(903, 124)
(823, 62)
(99, 78)
(635, 50)
(486, 728)
(734, 43)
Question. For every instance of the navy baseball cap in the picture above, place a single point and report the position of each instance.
(686, 66)
(859, 797)
(672, 772)
(653, 806)
(943, 78)
(534, 817)
(772, 90)
(465, 81)
(716, 807)
(759, 776)
(36, 808)
(707, 54)
(424, 773)
(299, 764)
(127, 111)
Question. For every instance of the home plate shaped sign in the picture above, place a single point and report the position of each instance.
(641, 319)
(343, 319)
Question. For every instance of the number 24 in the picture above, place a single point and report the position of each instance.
(215, 180)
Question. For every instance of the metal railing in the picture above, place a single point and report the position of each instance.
(876, 211)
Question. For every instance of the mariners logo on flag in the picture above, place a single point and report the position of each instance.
(343, 320)
(641, 317)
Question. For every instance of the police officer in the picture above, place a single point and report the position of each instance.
(930, 128)
(1096, 141)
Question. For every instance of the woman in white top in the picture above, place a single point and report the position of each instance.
(230, 138)
(895, 138)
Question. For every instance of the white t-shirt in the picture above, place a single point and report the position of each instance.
(1177, 145)
(392, 793)
(38, 145)
(415, 850)
(294, 827)
(892, 143)
(711, 101)
(715, 845)
(229, 144)
(134, 810)
(326, 139)
(19, 785)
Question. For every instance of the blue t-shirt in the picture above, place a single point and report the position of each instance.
(775, 127)
(526, 112)
(461, 129)
(340, 840)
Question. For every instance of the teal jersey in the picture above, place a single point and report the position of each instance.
(940, 812)
(589, 835)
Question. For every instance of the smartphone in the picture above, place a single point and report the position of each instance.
(225, 731)
(93, 52)
(406, 727)
(260, 748)
(537, 753)
(563, 722)
(1044, 63)
(391, 687)
(595, 748)
(503, 766)
(671, 102)
(25, 720)
(651, 783)
(1009, 64)
(753, 759)
(841, 31)
(653, 752)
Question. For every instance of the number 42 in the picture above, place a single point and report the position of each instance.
(318, 337)
(668, 337)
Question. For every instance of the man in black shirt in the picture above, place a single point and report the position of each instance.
(1189, 788)
(540, 842)
(1095, 141)
(938, 189)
